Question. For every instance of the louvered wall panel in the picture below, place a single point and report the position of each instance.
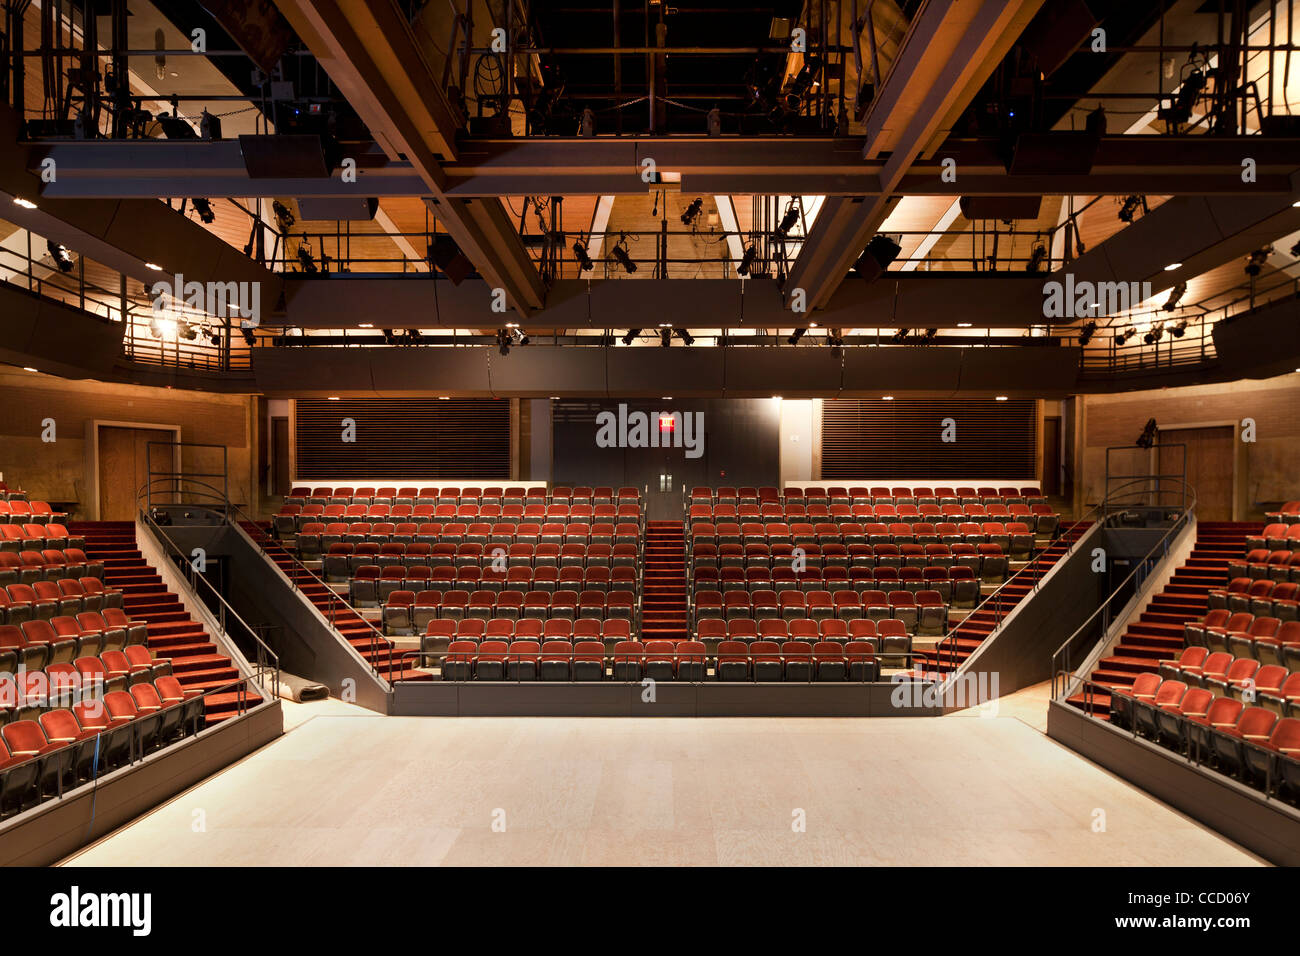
(403, 438)
(903, 439)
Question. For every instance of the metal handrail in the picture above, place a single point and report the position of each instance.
(993, 601)
(266, 660)
(378, 642)
(1061, 656)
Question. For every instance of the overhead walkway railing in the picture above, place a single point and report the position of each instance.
(1079, 645)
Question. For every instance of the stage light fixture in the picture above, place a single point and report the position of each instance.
(1036, 258)
(204, 209)
(1256, 261)
(796, 336)
(1295, 250)
(747, 260)
(60, 254)
(788, 221)
(1179, 330)
(631, 334)
(249, 337)
(1175, 296)
(619, 252)
(685, 336)
(665, 337)
(834, 337)
(1086, 332)
(1130, 207)
(901, 335)
(503, 341)
(693, 211)
(584, 259)
(1123, 336)
(284, 219)
(1148, 436)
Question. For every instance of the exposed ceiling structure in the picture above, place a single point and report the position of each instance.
(841, 175)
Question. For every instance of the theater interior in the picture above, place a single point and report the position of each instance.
(860, 433)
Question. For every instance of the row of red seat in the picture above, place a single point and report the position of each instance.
(45, 600)
(31, 536)
(888, 636)
(863, 514)
(1289, 513)
(293, 517)
(311, 542)
(25, 694)
(1262, 596)
(1275, 686)
(1259, 563)
(921, 611)
(51, 564)
(408, 612)
(371, 585)
(1014, 537)
(69, 746)
(492, 494)
(861, 494)
(1250, 742)
(39, 643)
(438, 634)
(21, 511)
(1267, 638)
(659, 660)
(1275, 537)
(863, 557)
(957, 586)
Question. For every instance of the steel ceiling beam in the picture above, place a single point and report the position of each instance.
(949, 51)
(370, 53)
(552, 166)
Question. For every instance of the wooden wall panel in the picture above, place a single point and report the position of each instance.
(402, 438)
(903, 439)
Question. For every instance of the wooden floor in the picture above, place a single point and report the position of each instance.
(346, 787)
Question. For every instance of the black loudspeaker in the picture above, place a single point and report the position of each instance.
(1059, 29)
(339, 208)
(875, 259)
(1000, 207)
(295, 156)
(446, 255)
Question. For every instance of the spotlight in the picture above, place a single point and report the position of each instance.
(1124, 336)
(796, 336)
(619, 252)
(1086, 333)
(1155, 334)
(162, 328)
(60, 254)
(412, 336)
(188, 332)
(665, 337)
(1130, 207)
(714, 122)
(204, 209)
(249, 337)
(929, 335)
(787, 221)
(747, 260)
(1175, 296)
(25, 203)
(685, 336)
(1257, 260)
(587, 125)
(283, 217)
(503, 341)
(834, 337)
(519, 336)
(305, 259)
(1178, 330)
(214, 337)
(584, 260)
(631, 334)
(1295, 251)
(900, 335)
(693, 211)
(1036, 258)
(1148, 436)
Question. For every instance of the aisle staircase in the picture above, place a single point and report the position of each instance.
(963, 640)
(381, 653)
(664, 611)
(172, 633)
(1157, 634)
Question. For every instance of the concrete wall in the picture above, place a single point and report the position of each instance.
(67, 469)
(1267, 470)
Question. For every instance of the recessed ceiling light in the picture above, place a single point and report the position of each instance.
(812, 325)
(963, 325)
(28, 368)
(1296, 204)
(333, 398)
(666, 398)
(25, 203)
(555, 398)
(444, 397)
(665, 325)
(154, 266)
(512, 325)
(1172, 266)
(886, 398)
(776, 398)
(366, 325)
(1000, 398)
